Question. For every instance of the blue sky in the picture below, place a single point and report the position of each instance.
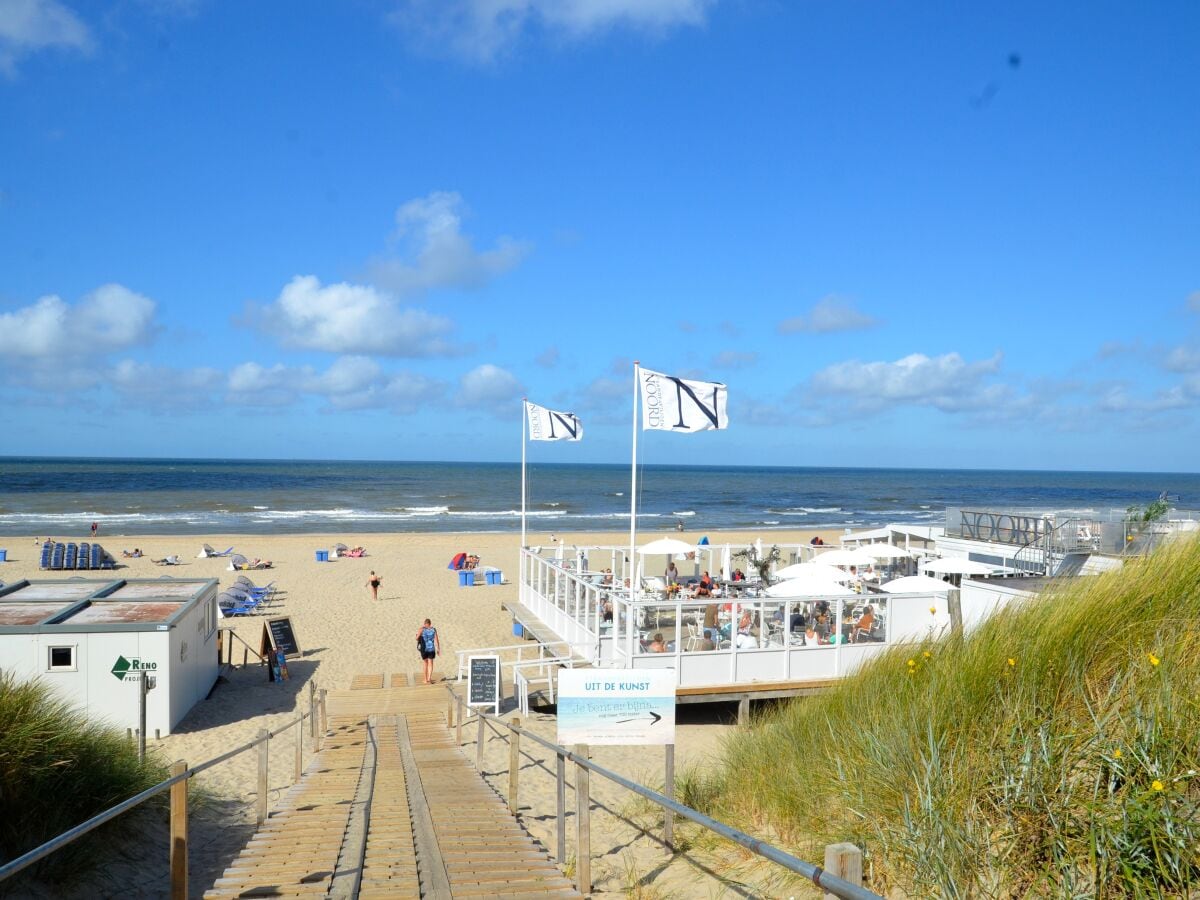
(942, 235)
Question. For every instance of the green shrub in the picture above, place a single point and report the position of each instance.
(58, 770)
(1051, 752)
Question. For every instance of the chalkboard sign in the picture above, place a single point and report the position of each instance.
(283, 636)
(483, 682)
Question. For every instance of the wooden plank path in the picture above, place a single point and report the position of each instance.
(390, 807)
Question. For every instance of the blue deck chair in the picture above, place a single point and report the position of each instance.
(47, 550)
(84, 559)
(69, 557)
(57, 556)
(97, 556)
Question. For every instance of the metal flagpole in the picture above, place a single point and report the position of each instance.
(633, 579)
(524, 417)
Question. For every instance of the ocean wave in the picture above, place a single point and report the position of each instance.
(684, 512)
(426, 510)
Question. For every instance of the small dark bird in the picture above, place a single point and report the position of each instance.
(1014, 60)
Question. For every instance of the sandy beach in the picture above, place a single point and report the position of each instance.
(344, 633)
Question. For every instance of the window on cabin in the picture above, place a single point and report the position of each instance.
(62, 659)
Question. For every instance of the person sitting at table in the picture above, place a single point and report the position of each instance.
(738, 575)
(745, 631)
(706, 643)
(657, 644)
(607, 579)
(822, 619)
(797, 623)
(606, 610)
(811, 638)
(862, 628)
(705, 587)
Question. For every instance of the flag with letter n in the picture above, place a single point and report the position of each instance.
(677, 404)
(548, 425)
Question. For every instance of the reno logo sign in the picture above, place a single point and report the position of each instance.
(130, 669)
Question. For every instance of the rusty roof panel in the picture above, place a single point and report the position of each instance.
(62, 591)
(20, 613)
(117, 612)
(140, 589)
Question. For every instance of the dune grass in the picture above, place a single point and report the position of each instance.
(1051, 752)
(57, 770)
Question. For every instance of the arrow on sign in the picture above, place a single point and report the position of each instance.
(654, 719)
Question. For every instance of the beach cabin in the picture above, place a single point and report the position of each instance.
(94, 641)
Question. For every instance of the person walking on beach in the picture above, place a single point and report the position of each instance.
(95, 528)
(373, 583)
(430, 646)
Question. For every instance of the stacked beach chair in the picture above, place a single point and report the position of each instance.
(57, 556)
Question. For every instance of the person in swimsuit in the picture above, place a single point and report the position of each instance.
(430, 646)
(373, 583)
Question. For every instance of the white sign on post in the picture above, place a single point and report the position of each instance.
(616, 706)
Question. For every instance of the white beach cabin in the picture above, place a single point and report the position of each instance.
(92, 640)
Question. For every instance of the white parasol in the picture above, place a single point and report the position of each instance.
(845, 558)
(808, 587)
(885, 551)
(812, 570)
(666, 547)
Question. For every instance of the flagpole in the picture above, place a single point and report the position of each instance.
(524, 417)
(633, 579)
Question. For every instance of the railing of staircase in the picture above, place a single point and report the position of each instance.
(177, 784)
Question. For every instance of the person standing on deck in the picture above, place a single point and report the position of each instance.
(430, 646)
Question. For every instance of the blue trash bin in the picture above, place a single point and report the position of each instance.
(466, 579)
(518, 631)
(322, 556)
(3, 556)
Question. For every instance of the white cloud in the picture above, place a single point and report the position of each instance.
(1194, 301)
(948, 383)
(352, 318)
(480, 30)
(735, 359)
(1183, 359)
(110, 318)
(488, 387)
(829, 314)
(548, 358)
(27, 26)
(436, 254)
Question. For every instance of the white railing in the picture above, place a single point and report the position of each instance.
(570, 603)
(519, 649)
(547, 669)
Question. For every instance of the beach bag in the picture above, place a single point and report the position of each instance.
(425, 640)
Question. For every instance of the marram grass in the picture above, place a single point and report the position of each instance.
(1053, 752)
(58, 770)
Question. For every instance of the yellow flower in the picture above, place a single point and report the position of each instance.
(1117, 754)
(933, 610)
(1158, 785)
(1011, 661)
(927, 655)
(912, 662)
(1154, 660)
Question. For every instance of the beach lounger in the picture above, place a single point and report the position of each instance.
(57, 556)
(207, 551)
(47, 551)
(84, 559)
(166, 561)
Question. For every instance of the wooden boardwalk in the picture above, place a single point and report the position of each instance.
(390, 807)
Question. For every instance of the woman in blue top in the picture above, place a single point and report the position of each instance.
(430, 646)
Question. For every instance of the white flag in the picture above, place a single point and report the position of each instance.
(676, 404)
(548, 425)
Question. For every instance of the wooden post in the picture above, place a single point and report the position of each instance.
(299, 748)
(844, 861)
(458, 720)
(263, 763)
(954, 608)
(744, 711)
(312, 715)
(514, 762)
(324, 720)
(245, 658)
(179, 834)
(669, 791)
(583, 826)
(562, 808)
(449, 710)
(479, 744)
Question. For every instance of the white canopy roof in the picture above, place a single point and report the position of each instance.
(812, 570)
(808, 587)
(845, 558)
(915, 584)
(957, 565)
(667, 547)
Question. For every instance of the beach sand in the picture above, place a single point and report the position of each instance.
(344, 633)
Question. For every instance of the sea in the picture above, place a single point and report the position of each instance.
(59, 496)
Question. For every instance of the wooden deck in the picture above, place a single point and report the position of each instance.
(390, 807)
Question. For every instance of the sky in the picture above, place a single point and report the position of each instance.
(931, 235)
